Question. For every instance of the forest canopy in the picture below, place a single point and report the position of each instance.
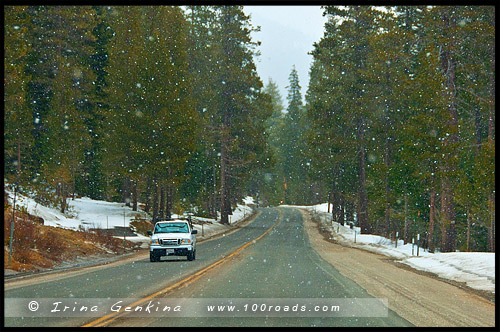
(163, 105)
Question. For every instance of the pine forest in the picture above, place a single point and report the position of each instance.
(163, 106)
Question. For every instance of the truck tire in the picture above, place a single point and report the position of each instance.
(153, 257)
(191, 255)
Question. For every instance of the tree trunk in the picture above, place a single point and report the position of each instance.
(73, 187)
(363, 198)
(214, 201)
(63, 196)
(447, 214)
(329, 201)
(405, 233)
(161, 209)
(468, 228)
(387, 160)
(229, 210)
(341, 210)
(349, 212)
(491, 112)
(155, 200)
(106, 192)
(388, 227)
(148, 195)
(73, 181)
(334, 203)
(170, 196)
(134, 195)
(477, 127)
(430, 238)
(223, 177)
(491, 142)
(491, 229)
(223, 193)
(18, 175)
(448, 64)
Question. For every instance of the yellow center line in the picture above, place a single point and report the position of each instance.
(112, 316)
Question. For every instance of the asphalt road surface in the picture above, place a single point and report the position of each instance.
(269, 259)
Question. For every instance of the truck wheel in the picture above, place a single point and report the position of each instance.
(190, 256)
(153, 257)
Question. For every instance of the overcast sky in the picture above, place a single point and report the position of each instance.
(287, 35)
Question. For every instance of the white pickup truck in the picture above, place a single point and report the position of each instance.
(172, 238)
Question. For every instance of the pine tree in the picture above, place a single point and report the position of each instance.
(275, 121)
(350, 38)
(423, 151)
(203, 50)
(60, 87)
(292, 143)
(151, 105)
(92, 182)
(239, 88)
(18, 140)
(272, 177)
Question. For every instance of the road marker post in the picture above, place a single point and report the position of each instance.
(418, 243)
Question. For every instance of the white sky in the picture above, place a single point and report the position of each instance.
(287, 35)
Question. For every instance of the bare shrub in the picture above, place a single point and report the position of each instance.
(52, 243)
(32, 257)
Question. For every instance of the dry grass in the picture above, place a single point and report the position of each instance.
(37, 247)
(142, 226)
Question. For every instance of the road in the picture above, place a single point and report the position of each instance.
(271, 258)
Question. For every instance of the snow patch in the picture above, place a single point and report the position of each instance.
(476, 269)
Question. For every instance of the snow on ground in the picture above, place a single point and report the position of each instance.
(89, 213)
(82, 212)
(476, 269)
(207, 227)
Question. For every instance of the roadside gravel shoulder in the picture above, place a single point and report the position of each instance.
(421, 299)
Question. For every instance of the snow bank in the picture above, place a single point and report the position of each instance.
(81, 212)
(476, 269)
(89, 213)
(209, 226)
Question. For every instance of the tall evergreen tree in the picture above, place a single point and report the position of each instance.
(230, 105)
(203, 50)
(292, 143)
(18, 139)
(151, 106)
(421, 149)
(92, 182)
(59, 90)
(272, 177)
(239, 87)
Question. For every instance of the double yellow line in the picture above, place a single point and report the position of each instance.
(184, 282)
